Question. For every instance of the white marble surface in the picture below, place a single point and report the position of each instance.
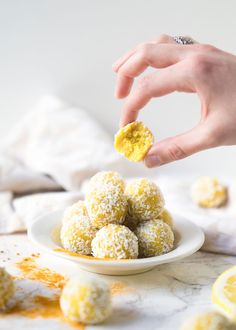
(159, 299)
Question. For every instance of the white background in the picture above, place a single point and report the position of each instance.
(67, 47)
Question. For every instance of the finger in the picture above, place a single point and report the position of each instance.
(162, 82)
(125, 84)
(154, 55)
(179, 147)
(163, 38)
(123, 59)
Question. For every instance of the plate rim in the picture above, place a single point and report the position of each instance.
(142, 262)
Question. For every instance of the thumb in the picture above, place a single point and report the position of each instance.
(180, 146)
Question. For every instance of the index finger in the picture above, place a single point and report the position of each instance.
(165, 81)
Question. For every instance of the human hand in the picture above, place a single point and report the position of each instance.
(196, 68)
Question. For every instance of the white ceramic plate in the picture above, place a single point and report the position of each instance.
(45, 233)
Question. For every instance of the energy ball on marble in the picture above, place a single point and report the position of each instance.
(75, 211)
(208, 321)
(208, 192)
(155, 237)
(77, 234)
(133, 141)
(145, 200)
(116, 242)
(166, 217)
(105, 200)
(86, 300)
(7, 289)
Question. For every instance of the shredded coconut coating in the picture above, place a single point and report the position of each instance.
(107, 177)
(208, 321)
(145, 200)
(133, 141)
(166, 217)
(77, 235)
(6, 289)
(116, 242)
(155, 238)
(85, 300)
(75, 211)
(208, 192)
(105, 200)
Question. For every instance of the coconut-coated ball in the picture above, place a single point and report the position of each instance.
(208, 192)
(145, 200)
(75, 211)
(107, 177)
(166, 216)
(6, 289)
(77, 235)
(105, 200)
(86, 300)
(208, 321)
(155, 237)
(116, 242)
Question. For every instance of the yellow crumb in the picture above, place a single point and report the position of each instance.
(133, 141)
(32, 271)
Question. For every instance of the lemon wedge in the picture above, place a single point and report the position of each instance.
(224, 293)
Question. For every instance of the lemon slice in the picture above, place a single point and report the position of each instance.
(224, 293)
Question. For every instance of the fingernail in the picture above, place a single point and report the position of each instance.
(152, 160)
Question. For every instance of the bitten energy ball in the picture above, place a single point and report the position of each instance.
(75, 211)
(145, 200)
(155, 238)
(105, 200)
(77, 234)
(166, 217)
(208, 192)
(208, 321)
(133, 141)
(6, 289)
(116, 242)
(87, 301)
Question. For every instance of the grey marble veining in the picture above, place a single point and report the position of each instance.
(158, 299)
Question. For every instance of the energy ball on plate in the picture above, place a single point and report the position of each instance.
(6, 289)
(86, 300)
(145, 200)
(107, 177)
(155, 237)
(77, 235)
(133, 141)
(116, 242)
(208, 321)
(105, 200)
(208, 192)
(75, 211)
(166, 217)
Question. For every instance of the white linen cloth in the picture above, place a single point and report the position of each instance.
(53, 149)
(48, 156)
(218, 224)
